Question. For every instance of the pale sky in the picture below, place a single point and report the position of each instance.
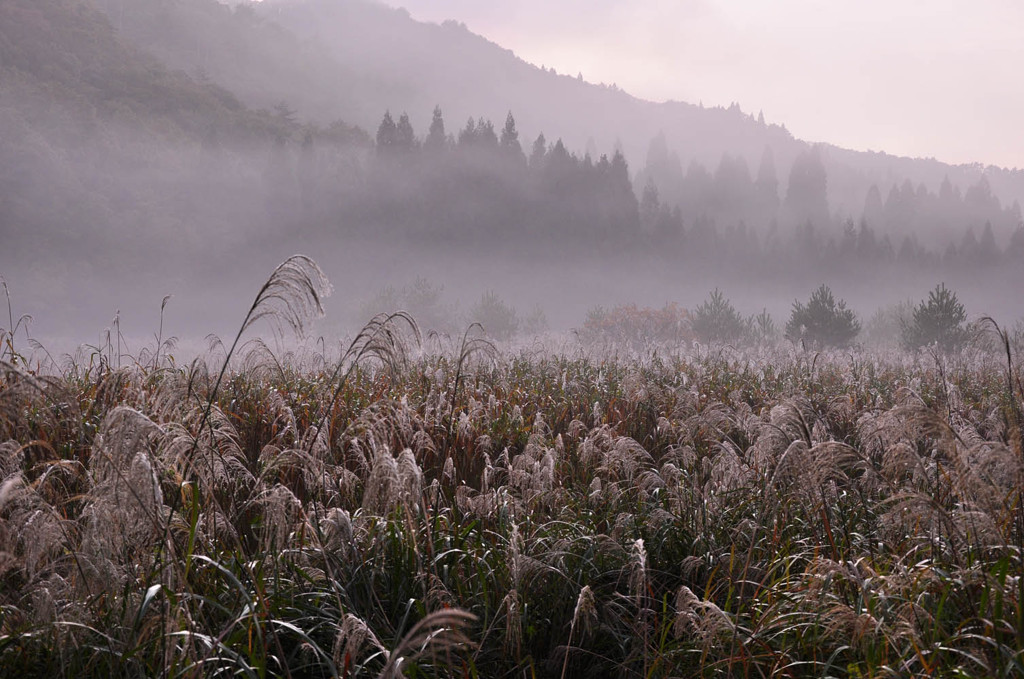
(926, 78)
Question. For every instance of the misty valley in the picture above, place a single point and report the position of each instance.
(567, 383)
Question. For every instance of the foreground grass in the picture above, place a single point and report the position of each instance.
(458, 513)
(771, 514)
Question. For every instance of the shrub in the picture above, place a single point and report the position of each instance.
(499, 319)
(636, 326)
(762, 327)
(886, 326)
(535, 323)
(716, 320)
(823, 321)
(422, 299)
(938, 320)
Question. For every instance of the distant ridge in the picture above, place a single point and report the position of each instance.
(354, 59)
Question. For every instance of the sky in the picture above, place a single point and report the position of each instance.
(923, 78)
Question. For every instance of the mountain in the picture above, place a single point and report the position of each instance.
(184, 146)
(90, 125)
(354, 59)
(117, 171)
(65, 54)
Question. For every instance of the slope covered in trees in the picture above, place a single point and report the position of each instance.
(117, 167)
(481, 188)
(88, 123)
(352, 59)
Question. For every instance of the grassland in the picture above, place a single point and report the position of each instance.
(457, 511)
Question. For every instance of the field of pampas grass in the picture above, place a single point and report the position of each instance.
(467, 512)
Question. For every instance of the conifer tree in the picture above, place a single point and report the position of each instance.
(938, 320)
(405, 137)
(716, 320)
(485, 134)
(468, 135)
(510, 137)
(539, 151)
(807, 193)
(387, 134)
(823, 322)
(436, 137)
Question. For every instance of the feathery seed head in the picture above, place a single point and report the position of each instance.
(294, 292)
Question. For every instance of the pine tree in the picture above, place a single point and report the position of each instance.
(436, 139)
(510, 137)
(387, 134)
(938, 321)
(823, 321)
(650, 205)
(988, 251)
(625, 214)
(873, 208)
(767, 184)
(1015, 249)
(716, 320)
(405, 137)
(807, 193)
(485, 134)
(539, 151)
(468, 135)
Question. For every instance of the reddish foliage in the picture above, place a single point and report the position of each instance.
(636, 326)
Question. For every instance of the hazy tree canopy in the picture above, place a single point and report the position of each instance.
(272, 51)
(485, 134)
(107, 152)
(873, 209)
(387, 135)
(807, 189)
(768, 183)
(510, 138)
(68, 52)
(539, 151)
(405, 137)
(436, 139)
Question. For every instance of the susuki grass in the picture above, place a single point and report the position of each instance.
(463, 512)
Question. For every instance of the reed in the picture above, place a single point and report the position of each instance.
(410, 512)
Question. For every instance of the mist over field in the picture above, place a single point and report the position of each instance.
(185, 148)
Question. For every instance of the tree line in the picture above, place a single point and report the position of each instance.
(482, 185)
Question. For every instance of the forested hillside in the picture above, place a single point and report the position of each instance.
(98, 137)
(117, 168)
(128, 152)
(353, 59)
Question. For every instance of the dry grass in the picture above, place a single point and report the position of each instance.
(468, 513)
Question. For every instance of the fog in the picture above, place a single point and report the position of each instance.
(879, 74)
(136, 164)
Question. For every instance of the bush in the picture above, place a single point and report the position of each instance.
(422, 299)
(535, 323)
(716, 320)
(762, 327)
(823, 321)
(499, 319)
(939, 320)
(635, 326)
(884, 330)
